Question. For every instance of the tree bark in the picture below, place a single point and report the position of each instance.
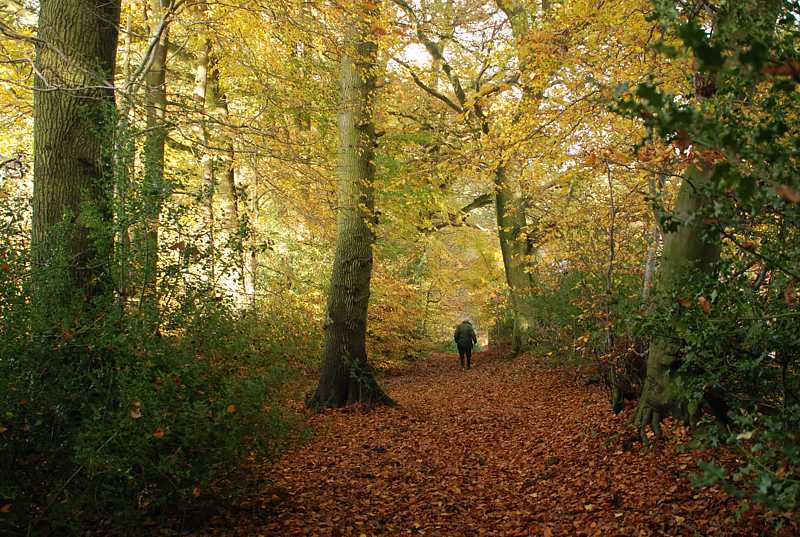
(230, 204)
(692, 250)
(204, 102)
(517, 249)
(346, 376)
(155, 139)
(125, 156)
(653, 244)
(516, 245)
(74, 120)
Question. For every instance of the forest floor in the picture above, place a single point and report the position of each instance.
(510, 447)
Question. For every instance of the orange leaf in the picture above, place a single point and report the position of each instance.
(788, 193)
(4, 266)
(705, 305)
(790, 68)
(789, 295)
(3, 429)
(712, 156)
(231, 408)
(6, 508)
(196, 492)
(158, 433)
(683, 302)
(682, 142)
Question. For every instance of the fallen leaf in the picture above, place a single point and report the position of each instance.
(789, 296)
(705, 305)
(6, 508)
(231, 408)
(136, 410)
(196, 492)
(788, 193)
(158, 433)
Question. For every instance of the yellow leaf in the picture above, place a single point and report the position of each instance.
(231, 408)
(589, 507)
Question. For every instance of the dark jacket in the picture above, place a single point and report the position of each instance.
(465, 335)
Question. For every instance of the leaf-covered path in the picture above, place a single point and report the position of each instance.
(507, 448)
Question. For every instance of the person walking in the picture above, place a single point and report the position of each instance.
(465, 338)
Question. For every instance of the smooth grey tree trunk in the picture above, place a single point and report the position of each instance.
(74, 119)
(346, 376)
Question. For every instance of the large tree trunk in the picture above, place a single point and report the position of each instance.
(692, 250)
(517, 249)
(516, 245)
(154, 185)
(346, 376)
(74, 113)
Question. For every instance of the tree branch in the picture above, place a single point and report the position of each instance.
(431, 91)
(435, 50)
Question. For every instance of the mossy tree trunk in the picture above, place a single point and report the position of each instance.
(74, 119)
(690, 251)
(153, 156)
(516, 244)
(346, 376)
(693, 250)
(517, 249)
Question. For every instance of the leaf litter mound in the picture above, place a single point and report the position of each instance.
(510, 447)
